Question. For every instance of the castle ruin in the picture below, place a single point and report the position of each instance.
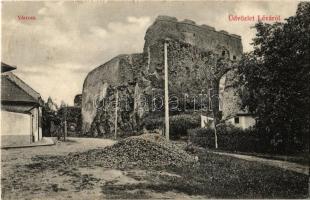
(198, 59)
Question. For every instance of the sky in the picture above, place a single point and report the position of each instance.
(54, 52)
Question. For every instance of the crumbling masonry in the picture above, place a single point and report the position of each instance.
(198, 58)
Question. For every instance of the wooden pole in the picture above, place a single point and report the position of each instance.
(214, 107)
(65, 123)
(116, 107)
(65, 130)
(215, 136)
(166, 94)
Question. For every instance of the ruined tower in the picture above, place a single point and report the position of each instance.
(193, 51)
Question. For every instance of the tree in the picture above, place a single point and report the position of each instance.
(51, 105)
(49, 117)
(63, 104)
(277, 75)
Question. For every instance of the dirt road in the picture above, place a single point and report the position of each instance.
(23, 178)
(41, 173)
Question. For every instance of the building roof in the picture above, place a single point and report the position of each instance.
(240, 114)
(6, 67)
(13, 89)
(17, 108)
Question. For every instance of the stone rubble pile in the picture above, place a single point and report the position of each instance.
(144, 151)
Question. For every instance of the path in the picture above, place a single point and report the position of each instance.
(302, 169)
(24, 155)
(45, 141)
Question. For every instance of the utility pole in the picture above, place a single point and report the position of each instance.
(116, 108)
(215, 117)
(65, 123)
(166, 93)
(215, 135)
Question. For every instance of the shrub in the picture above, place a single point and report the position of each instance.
(202, 137)
(153, 122)
(179, 124)
(229, 138)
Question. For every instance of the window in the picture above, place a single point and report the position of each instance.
(236, 120)
(234, 57)
(223, 53)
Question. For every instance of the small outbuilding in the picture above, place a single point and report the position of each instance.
(21, 111)
(242, 120)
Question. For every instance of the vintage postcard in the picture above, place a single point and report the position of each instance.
(155, 99)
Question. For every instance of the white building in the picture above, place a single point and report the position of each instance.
(242, 120)
(21, 111)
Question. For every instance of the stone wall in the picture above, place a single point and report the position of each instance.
(100, 84)
(231, 100)
(139, 78)
(201, 36)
